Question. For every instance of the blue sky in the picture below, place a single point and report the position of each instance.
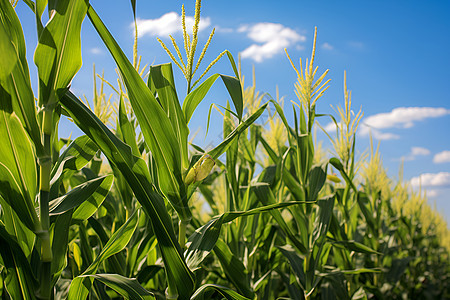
(395, 54)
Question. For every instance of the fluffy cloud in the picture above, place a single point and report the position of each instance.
(442, 157)
(401, 117)
(96, 51)
(433, 193)
(441, 179)
(330, 127)
(270, 38)
(168, 24)
(327, 46)
(415, 152)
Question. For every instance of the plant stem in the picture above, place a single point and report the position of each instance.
(182, 233)
(45, 162)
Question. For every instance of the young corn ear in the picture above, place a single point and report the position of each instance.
(200, 170)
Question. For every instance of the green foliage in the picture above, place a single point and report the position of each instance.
(122, 213)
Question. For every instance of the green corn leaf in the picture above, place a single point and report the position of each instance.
(127, 129)
(231, 158)
(14, 75)
(116, 262)
(81, 285)
(60, 242)
(317, 177)
(318, 240)
(25, 237)
(136, 173)
(280, 112)
(266, 196)
(19, 280)
(156, 127)
(350, 272)
(126, 287)
(18, 175)
(116, 243)
(58, 54)
(233, 268)
(94, 201)
(366, 208)
(338, 165)
(296, 263)
(202, 241)
(206, 291)
(86, 198)
(398, 268)
(269, 150)
(8, 58)
(162, 84)
(354, 246)
(79, 152)
(323, 219)
(291, 182)
(234, 88)
(222, 147)
(196, 96)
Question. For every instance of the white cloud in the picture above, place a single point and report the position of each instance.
(96, 51)
(224, 29)
(385, 135)
(442, 157)
(401, 117)
(330, 127)
(327, 46)
(270, 38)
(168, 24)
(433, 193)
(415, 152)
(356, 45)
(441, 179)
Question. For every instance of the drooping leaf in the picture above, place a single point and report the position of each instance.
(128, 288)
(223, 146)
(296, 262)
(232, 84)
(81, 285)
(233, 268)
(317, 177)
(202, 241)
(86, 198)
(265, 195)
(355, 246)
(79, 152)
(206, 291)
(136, 173)
(155, 125)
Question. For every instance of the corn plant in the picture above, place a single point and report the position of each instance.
(119, 212)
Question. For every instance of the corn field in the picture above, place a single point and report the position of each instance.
(132, 209)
